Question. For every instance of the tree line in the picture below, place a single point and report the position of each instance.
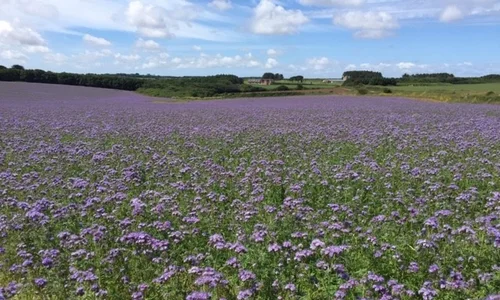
(354, 78)
(18, 73)
(273, 76)
(298, 78)
(426, 78)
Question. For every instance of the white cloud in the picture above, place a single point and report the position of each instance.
(350, 67)
(14, 33)
(271, 63)
(150, 20)
(410, 65)
(253, 64)
(121, 58)
(148, 45)
(197, 48)
(367, 24)
(375, 67)
(203, 61)
(318, 63)
(221, 4)
(405, 65)
(96, 41)
(90, 57)
(272, 52)
(56, 58)
(270, 18)
(161, 59)
(13, 55)
(38, 9)
(36, 49)
(332, 2)
(69, 16)
(451, 13)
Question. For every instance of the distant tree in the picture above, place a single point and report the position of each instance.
(27, 75)
(492, 76)
(268, 76)
(3, 67)
(362, 78)
(49, 77)
(431, 78)
(298, 78)
(17, 67)
(9, 75)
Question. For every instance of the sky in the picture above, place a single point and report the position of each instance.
(313, 38)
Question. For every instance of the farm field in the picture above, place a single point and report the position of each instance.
(107, 195)
(479, 88)
(307, 84)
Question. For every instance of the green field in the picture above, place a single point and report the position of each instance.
(467, 93)
(472, 88)
(307, 84)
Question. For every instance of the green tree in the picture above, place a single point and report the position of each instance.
(17, 67)
(9, 75)
(268, 76)
(298, 78)
(27, 76)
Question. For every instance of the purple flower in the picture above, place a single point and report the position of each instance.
(40, 282)
(332, 251)
(300, 255)
(433, 268)
(233, 262)
(427, 292)
(290, 287)
(413, 268)
(315, 244)
(245, 294)
(274, 247)
(198, 296)
(245, 275)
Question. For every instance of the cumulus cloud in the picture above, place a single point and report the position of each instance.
(271, 63)
(272, 52)
(197, 48)
(96, 41)
(406, 65)
(332, 2)
(17, 34)
(318, 63)
(150, 20)
(270, 18)
(451, 13)
(203, 61)
(13, 55)
(350, 67)
(148, 45)
(367, 24)
(122, 58)
(89, 57)
(36, 49)
(162, 59)
(39, 9)
(56, 58)
(221, 4)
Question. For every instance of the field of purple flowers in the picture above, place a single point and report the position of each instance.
(104, 194)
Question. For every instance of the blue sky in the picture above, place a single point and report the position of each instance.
(314, 38)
